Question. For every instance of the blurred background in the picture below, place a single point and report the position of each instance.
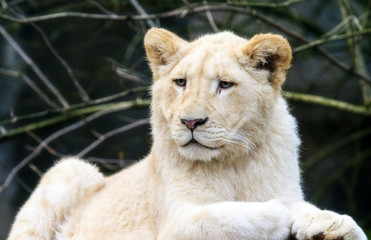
(74, 81)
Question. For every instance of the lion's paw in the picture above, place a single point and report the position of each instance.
(327, 225)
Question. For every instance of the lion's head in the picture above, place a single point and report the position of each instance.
(213, 97)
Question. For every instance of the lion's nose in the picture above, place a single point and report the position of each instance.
(193, 123)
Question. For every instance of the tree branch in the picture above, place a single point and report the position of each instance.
(328, 102)
(141, 11)
(333, 147)
(30, 83)
(75, 106)
(265, 5)
(84, 96)
(34, 67)
(111, 133)
(4, 5)
(48, 140)
(358, 62)
(74, 113)
(330, 38)
(182, 12)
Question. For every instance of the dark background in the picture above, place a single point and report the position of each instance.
(106, 57)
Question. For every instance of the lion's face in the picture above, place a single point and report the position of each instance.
(210, 97)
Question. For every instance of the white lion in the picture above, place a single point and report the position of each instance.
(223, 165)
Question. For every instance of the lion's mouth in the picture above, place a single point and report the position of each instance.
(194, 141)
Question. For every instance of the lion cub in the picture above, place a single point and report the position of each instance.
(223, 165)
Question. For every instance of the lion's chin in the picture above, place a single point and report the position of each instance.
(199, 152)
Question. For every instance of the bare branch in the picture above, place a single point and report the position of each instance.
(182, 12)
(34, 67)
(126, 74)
(30, 83)
(265, 5)
(331, 38)
(40, 141)
(48, 140)
(100, 7)
(320, 155)
(35, 169)
(111, 133)
(341, 65)
(339, 28)
(130, 49)
(210, 18)
(358, 62)
(141, 11)
(340, 172)
(84, 96)
(15, 119)
(4, 5)
(283, 29)
(74, 113)
(75, 106)
(327, 102)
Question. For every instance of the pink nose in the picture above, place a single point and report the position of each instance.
(193, 123)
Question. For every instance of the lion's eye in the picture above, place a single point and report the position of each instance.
(225, 84)
(180, 82)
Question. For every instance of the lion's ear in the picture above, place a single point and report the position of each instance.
(161, 47)
(269, 52)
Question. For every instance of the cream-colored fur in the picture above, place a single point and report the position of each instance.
(237, 179)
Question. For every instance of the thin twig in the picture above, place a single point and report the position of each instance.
(331, 38)
(358, 62)
(15, 2)
(210, 18)
(111, 133)
(4, 5)
(299, 37)
(182, 12)
(265, 5)
(75, 106)
(131, 47)
(84, 96)
(100, 7)
(338, 28)
(327, 102)
(48, 140)
(30, 83)
(34, 67)
(71, 114)
(349, 29)
(333, 147)
(341, 65)
(129, 73)
(126, 74)
(40, 141)
(143, 12)
(340, 172)
(35, 169)
(120, 94)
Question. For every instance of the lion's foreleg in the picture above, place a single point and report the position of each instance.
(229, 220)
